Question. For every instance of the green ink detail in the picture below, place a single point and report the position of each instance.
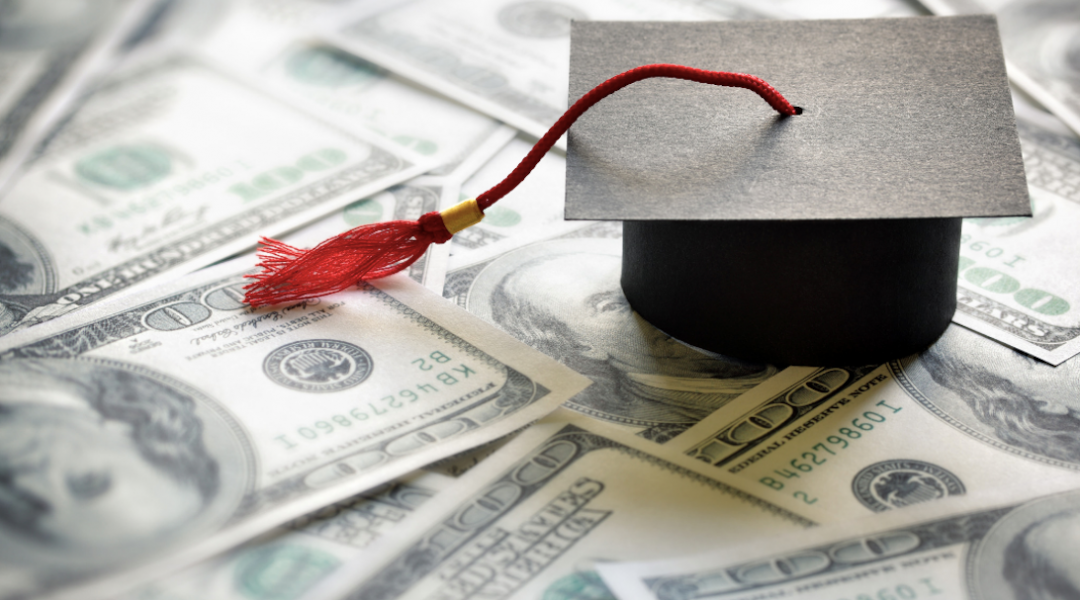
(500, 216)
(579, 586)
(281, 572)
(363, 212)
(126, 167)
(331, 68)
(321, 159)
(964, 264)
(992, 280)
(425, 147)
(1042, 302)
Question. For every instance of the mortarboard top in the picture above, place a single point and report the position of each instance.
(826, 237)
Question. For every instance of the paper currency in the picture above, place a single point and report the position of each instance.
(968, 416)
(1018, 282)
(1014, 552)
(535, 204)
(351, 90)
(1041, 39)
(292, 559)
(170, 168)
(50, 52)
(505, 58)
(559, 292)
(534, 519)
(179, 423)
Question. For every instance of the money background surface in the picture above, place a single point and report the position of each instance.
(160, 171)
(953, 550)
(266, 415)
(290, 560)
(50, 52)
(505, 58)
(535, 518)
(1045, 239)
(969, 416)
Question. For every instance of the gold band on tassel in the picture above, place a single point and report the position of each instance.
(462, 215)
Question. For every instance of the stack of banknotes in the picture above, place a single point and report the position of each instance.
(495, 422)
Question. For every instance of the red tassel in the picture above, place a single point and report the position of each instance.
(366, 252)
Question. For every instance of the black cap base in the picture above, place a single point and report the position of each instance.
(807, 292)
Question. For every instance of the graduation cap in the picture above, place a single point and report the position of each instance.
(831, 237)
(826, 233)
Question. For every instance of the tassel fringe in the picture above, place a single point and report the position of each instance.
(290, 274)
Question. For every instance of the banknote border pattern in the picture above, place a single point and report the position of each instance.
(930, 535)
(518, 392)
(424, 556)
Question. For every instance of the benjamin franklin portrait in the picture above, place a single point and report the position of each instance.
(1031, 553)
(563, 298)
(99, 460)
(1004, 397)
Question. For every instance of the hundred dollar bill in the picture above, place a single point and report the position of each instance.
(179, 423)
(558, 290)
(967, 416)
(1041, 40)
(506, 58)
(292, 559)
(1019, 279)
(1020, 551)
(169, 168)
(535, 204)
(50, 52)
(351, 90)
(535, 519)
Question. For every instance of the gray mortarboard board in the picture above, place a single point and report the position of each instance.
(829, 237)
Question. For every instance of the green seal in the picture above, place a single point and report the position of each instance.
(125, 167)
(281, 572)
(328, 67)
(500, 216)
(363, 212)
(585, 585)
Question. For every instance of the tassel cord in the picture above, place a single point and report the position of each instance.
(616, 83)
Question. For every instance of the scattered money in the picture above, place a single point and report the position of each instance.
(170, 443)
(179, 423)
(1013, 552)
(171, 167)
(535, 519)
(859, 440)
(505, 58)
(349, 89)
(51, 51)
(559, 292)
(1040, 39)
(290, 560)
